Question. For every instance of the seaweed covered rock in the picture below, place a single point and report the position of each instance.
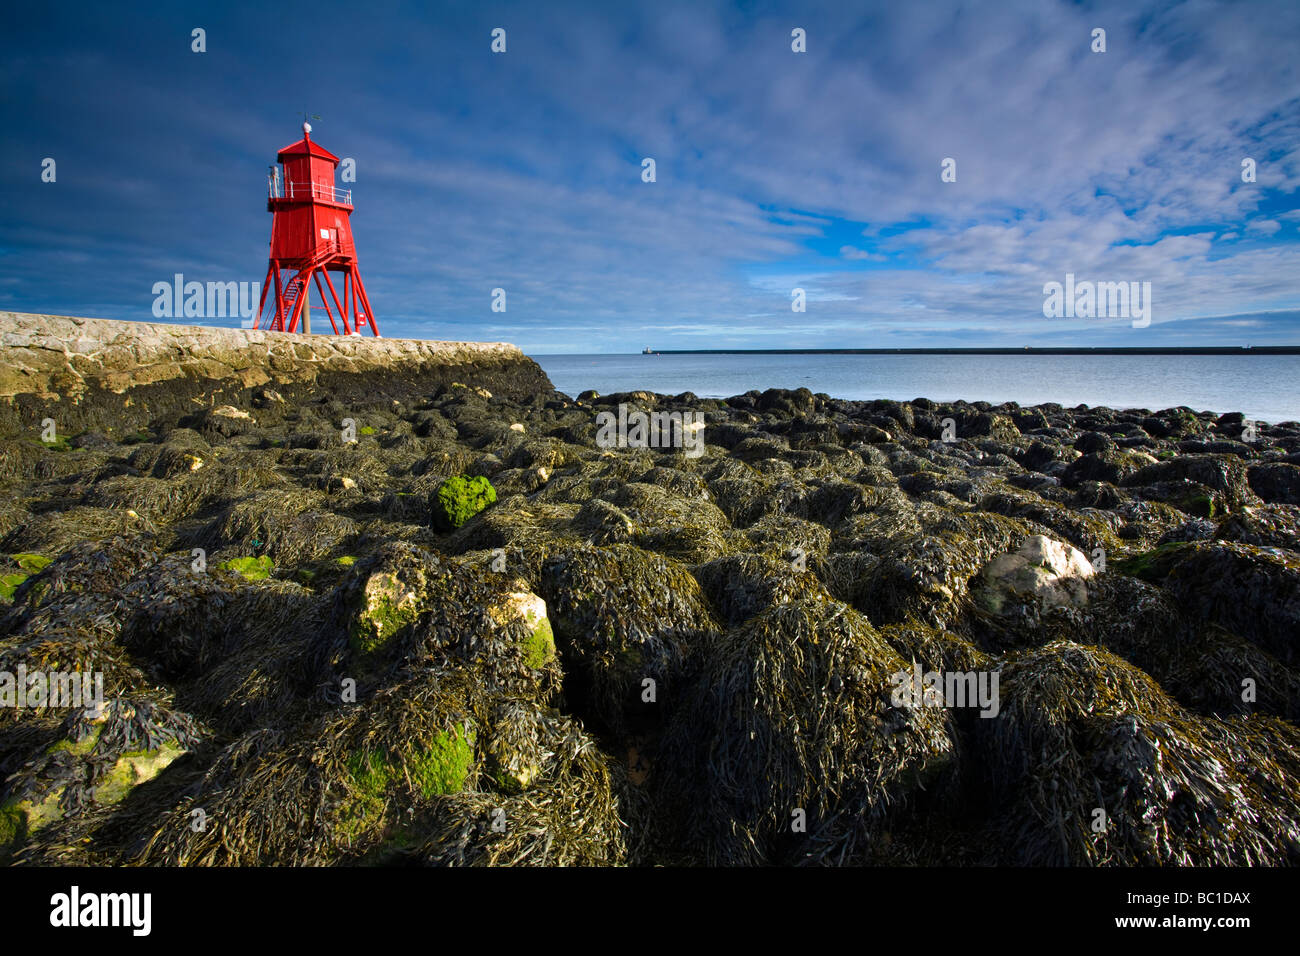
(936, 650)
(847, 576)
(223, 421)
(336, 788)
(93, 570)
(68, 619)
(1086, 528)
(787, 537)
(1252, 591)
(603, 523)
(404, 606)
(557, 807)
(290, 527)
(85, 765)
(526, 607)
(514, 748)
(178, 614)
(1114, 466)
(387, 600)
(1133, 779)
(1272, 526)
(622, 616)
(238, 653)
(660, 519)
(1224, 476)
(1220, 674)
(928, 577)
(744, 585)
(1203, 666)
(515, 522)
(1275, 482)
(790, 718)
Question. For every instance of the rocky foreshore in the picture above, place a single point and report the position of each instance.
(447, 616)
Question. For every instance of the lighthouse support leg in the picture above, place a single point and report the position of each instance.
(370, 312)
(342, 312)
(328, 313)
(365, 299)
(350, 298)
(300, 279)
(305, 309)
(261, 304)
(278, 324)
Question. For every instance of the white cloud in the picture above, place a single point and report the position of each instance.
(860, 255)
(1264, 227)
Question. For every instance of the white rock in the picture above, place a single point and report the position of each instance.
(1050, 571)
(532, 610)
(230, 411)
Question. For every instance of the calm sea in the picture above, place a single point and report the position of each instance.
(1264, 388)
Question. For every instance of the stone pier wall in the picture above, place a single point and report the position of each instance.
(117, 376)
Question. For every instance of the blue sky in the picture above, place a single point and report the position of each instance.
(775, 169)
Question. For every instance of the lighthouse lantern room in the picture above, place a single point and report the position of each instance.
(311, 237)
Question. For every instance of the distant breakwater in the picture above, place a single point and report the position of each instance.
(1154, 350)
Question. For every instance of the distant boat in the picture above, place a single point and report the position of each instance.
(648, 351)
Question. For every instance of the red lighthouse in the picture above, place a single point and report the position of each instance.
(311, 236)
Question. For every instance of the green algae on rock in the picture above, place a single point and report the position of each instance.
(253, 569)
(133, 768)
(460, 498)
(539, 646)
(389, 603)
(443, 766)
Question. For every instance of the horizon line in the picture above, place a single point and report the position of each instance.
(994, 350)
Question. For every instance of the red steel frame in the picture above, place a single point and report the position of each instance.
(354, 311)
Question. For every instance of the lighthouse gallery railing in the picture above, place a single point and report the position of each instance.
(279, 190)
